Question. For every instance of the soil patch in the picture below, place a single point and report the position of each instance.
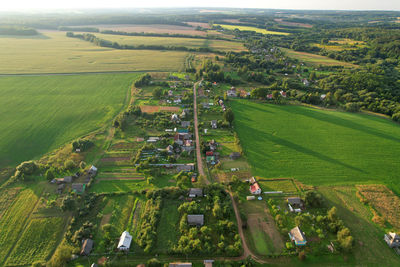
(153, 109)
(106, 219)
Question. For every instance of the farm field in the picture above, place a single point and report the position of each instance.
(53, 52)
(318, 147)
(219, 45)
(316, 59)
(248, 28)
(40, 113)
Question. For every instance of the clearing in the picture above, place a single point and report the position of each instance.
(316, 59)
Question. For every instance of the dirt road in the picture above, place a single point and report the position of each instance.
(196, 132)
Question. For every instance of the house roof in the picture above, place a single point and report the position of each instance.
(180, 264)
(197, 219)
(87, 246)
(254, 187)
(294, 200)
(297, 234)
(196, 191)
(252, 180)
(125, 240)
(93, 168)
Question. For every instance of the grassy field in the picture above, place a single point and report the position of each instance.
(53, 52)
(247, 28)
(172, 41)
(316, 59)
(37, 241)
(318, 147)
(168, 226)
(40, 113)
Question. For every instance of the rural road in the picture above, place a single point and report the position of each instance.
(196, 132)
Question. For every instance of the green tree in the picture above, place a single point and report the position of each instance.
(157, 92)
(229, 116)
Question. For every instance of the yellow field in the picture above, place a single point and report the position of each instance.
(316, 59)
(247, 28)
(173, 41)
(53, 52)
(341, 44)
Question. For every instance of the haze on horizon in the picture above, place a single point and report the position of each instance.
(23, 5)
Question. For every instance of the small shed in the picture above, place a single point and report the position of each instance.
(186, 167)
(250, 197)
(392, 239)
(295, 204)
(208, 263)
(60, 188)
(87, 247)
(234, 155)
(195, 192)
(297, 236)
(124, 241)
(195, 219)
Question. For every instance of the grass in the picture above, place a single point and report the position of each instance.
(13, 221)
(37, 241)
(219, 45)
(285, 185)
(318, 147)
(262, 242)
(316, 59)
(119, 186)
(40, 113)
(56, 53)
(248, 28)
(168, 226)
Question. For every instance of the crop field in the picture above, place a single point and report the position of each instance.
(219, 45)
(40, 113)
(12, 221)
(37, 242)
(6, 198)
(383, 200)
(369, 247)
(248, 28)
(151, 28)
(318, 147)
(53, 52)
(316, 59)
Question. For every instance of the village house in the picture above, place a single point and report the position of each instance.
(234, 155)
(252, 180)
(87, 247)
(124, 241)
(297, 236)
(208, 263)
(295, 204)
(206, 105)
(78, 188)
(232, 92)
(211, 160)
(283, 93)
(195, 192)
(255, 189)
(195, 220)
(177, 100)
(92, 171)
(174, 117)
(392, 239)
(185, 167)
(180, 264)
(170, 149)
(213, 145)
(269, 96)
(214, 124)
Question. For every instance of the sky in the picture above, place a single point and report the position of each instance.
(273, 4)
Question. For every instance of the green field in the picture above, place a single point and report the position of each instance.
(219, 45)
(316, 59)
(53, 52)
(318, 147)
(248, 28)
(40, 113)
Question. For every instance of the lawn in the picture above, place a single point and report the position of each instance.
(318, 147)
(285, 185)
(109, 186)
(40, 113)
(248, 28)
(168, 226)
(53, 52)
(37, 242)
(316, 59)
(219, 45)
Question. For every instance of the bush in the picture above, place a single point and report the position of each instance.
(26, 168)
(154, 263)
(69, 164)
(302, 255)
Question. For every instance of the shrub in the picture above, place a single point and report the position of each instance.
(69, 164)
(302, 255)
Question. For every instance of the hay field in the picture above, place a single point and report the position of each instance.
(316, 59)
(53, 52)
(174, 41)
(40, 113)
(248, 28)
(318, 147)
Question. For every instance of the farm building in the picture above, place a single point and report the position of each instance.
(78, 188)
(186, 167)
(392, 239)
(208, 263)
(295, 204)
(234, 155)
(92, 171)
(195, 192)
(170, 93)
(297, 236)
(214, 124)
(195, 219)
(124, 241)
(87, 247)
(255, 189)
(180, 264)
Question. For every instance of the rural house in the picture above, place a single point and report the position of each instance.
(297, 236)
(195, 220)
(180, 264)
(232, 92)
(124, 241)
(78, 188)
(195, 192)
(87, 247)
(92, 171)
(234, 155)
(185, 167)
(392, 239)
(170, 149)
(255, 189)
(214, 124)
(208, 263)
(295, 204)
(185, 124)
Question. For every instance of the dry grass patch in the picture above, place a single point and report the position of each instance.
(153, 109)
(384, 201)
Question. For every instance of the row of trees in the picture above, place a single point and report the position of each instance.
(147, 234)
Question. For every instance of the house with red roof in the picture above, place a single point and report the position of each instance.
(255, 189)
